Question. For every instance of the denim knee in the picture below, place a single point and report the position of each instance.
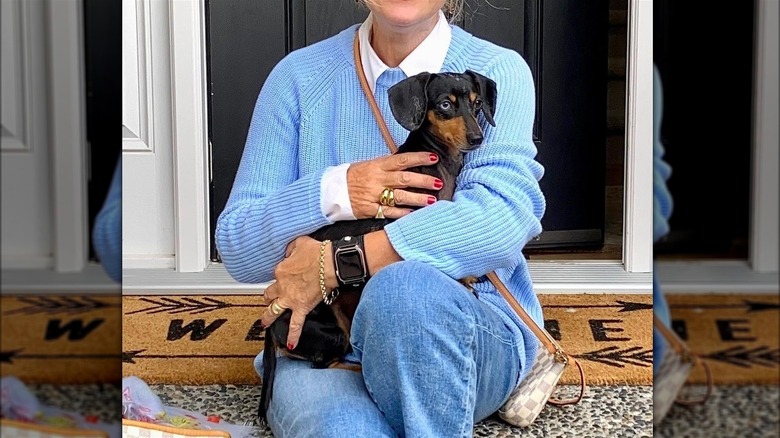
(410, 289)
(407, 296)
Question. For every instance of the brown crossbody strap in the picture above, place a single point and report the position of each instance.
(380, 120)
(547, 341)
(677, 345)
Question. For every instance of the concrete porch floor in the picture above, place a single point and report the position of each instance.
(607, 411)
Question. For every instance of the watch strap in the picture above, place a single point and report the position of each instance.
(349, 244)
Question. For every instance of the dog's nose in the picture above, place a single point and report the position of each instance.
(475, 140)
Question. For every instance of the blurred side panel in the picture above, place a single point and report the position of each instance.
(60, 325)
(764, 221)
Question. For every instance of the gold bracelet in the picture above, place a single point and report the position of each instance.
(326, 297)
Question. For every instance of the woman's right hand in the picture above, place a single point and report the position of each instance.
(367, 179)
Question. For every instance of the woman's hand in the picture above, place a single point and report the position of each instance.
(367, 179)
(297, 285)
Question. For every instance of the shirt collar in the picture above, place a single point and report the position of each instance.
(427, 57)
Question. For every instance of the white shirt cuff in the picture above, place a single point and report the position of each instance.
(334, 194)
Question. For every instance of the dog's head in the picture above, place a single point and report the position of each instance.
(447, 105)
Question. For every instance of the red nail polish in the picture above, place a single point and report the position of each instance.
(431, 200)
(434, 157)
(290, 346)
(438, 184)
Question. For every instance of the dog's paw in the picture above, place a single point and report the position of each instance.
(469, 282)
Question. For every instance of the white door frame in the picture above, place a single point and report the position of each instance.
(190, 137)
(764, 206)
(638, 180)
(68, 138)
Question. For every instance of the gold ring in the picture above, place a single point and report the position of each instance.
(387, 198)
(379, 213)
(276, 309)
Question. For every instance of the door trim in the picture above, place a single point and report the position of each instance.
(713, 277)
(190, 137)
(638, 176)
(68, 134)
(550, 277)
(763, 241)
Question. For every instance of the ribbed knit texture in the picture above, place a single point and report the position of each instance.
(311, 114)
(107, 231)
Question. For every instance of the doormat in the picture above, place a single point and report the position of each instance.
(737, 335)
(61, 339)
(202, 340)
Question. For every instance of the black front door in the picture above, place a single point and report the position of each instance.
(564, 43)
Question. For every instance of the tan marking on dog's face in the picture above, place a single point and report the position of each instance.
(473, 97)
(452, 131)
(452, 98)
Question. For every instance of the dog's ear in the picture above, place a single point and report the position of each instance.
(409, 100)
(486, 88)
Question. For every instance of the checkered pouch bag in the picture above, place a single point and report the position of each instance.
(535, 391)
(676, 365)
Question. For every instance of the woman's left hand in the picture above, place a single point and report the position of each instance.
(297, 285)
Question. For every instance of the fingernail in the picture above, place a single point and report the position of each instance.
(438, 183)
(290, 346)
(434, 157)
(431, 200)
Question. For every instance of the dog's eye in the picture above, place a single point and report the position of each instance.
(478, 104)
(445, 105)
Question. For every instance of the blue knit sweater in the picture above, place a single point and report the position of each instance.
(107, 231)
(311, 114)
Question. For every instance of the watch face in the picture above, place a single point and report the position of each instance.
(350, 264)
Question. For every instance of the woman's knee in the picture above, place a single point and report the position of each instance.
(404, 293)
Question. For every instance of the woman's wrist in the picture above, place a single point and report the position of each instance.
(379, 251)
(330, 268)
(378, 254)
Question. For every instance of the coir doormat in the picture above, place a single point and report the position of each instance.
(200, 339)
(61, 338)
(737, 335)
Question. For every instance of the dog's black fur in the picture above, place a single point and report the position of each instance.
(440, 111)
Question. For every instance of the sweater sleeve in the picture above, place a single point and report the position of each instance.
(498, 205)
(270, 203)
(107, 231)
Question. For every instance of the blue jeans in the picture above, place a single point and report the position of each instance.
(435, 361)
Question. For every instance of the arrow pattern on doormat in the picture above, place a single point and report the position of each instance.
(743, 357)
(131, 356)
(54, 305)
(10, 356)
(193, 306)
(624, 306)
(749, 306)
(615, 357)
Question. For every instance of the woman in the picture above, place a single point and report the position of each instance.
(434, 358)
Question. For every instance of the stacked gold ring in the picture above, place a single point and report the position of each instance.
(276, 309)
(388, 198)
